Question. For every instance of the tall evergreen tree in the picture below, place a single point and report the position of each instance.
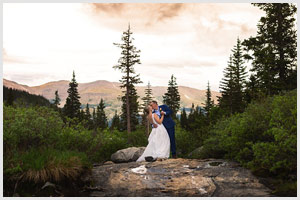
(146, 101)
(233, 83)
(227, 87)
(208, 102)
(273, 51)
(56, 99)
(94, 113)
(172, 97)
(183, 119)
(72, 106)
(115, 123)
(193, 108)
(88, 117)
(148, 96)
(94, 117)
(87, 111)
(240, 75)
(101, 119)
(129, 57)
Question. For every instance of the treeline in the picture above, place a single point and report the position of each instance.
(23, 98)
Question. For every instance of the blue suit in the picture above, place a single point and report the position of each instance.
(169, 124)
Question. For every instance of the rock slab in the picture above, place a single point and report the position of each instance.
(176, 178)
(127, 155)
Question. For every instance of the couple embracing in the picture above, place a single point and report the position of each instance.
(162, 136)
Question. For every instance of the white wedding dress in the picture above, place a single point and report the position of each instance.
(158, 143)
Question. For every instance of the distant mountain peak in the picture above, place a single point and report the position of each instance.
(93, 91)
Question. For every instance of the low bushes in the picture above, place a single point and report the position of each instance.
(263, 138)
(39, 146)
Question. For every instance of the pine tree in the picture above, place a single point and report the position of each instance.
(115, 123)
(56, 99)
(94, 113)
(240, 75)
(227, 87)
(273, 51)
(88, 117)
(208, 102)
(94, 118)
(183, 119)
(129, 57)
(101, 119)
(147, 99)
(87, 111)
(193, 108)
(233, 84)
(172, 97)
(148, 96)
(72, 106)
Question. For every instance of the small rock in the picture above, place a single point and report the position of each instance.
(109, 163)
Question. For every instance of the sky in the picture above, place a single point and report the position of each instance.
(45, 42)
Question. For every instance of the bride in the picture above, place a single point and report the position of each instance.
(158, 141)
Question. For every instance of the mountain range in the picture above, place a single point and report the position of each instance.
(92, 92)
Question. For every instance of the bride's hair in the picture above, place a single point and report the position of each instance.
(146, 110)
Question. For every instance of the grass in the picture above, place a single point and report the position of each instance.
(40, 165)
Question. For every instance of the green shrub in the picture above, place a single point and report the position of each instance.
(263, 138)
(186, 141)
(30, 127)
(107, 142)
(34, 138)
(138, 137)
(79, 139)
(279, 155)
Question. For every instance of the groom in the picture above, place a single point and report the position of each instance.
(168, 123)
